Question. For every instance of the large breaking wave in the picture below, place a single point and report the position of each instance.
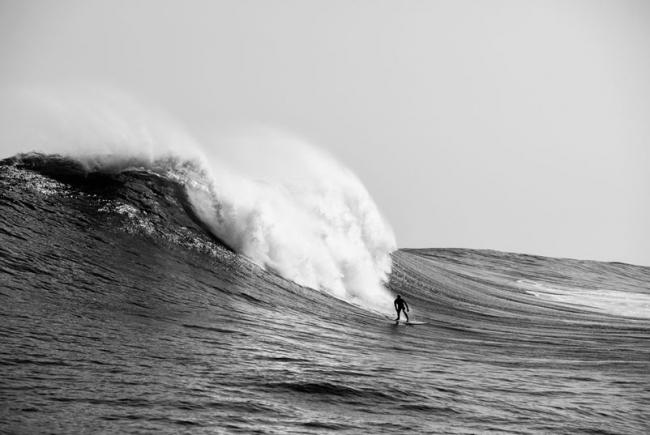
(272, 197)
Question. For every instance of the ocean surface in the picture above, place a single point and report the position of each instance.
(122, 312)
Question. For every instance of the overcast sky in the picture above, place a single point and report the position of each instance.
(512, 125)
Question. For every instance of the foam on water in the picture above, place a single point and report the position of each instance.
(617, 303)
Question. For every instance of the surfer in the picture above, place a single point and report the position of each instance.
(400, 305)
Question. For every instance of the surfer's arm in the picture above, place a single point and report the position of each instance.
(407, 306)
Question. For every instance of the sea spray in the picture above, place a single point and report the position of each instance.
(102, 128)
(275, 199)
(301, 213)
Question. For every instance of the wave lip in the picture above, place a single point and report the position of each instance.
(325, 234)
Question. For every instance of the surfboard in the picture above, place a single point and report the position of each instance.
(405, 323)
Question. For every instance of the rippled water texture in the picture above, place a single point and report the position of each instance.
(120, 313)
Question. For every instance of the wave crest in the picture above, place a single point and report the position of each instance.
(277, 200)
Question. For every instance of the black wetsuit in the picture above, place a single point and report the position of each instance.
(401, 307)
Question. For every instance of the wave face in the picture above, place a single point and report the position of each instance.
(123, 311)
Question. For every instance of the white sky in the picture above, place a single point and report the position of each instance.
(512, 125)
